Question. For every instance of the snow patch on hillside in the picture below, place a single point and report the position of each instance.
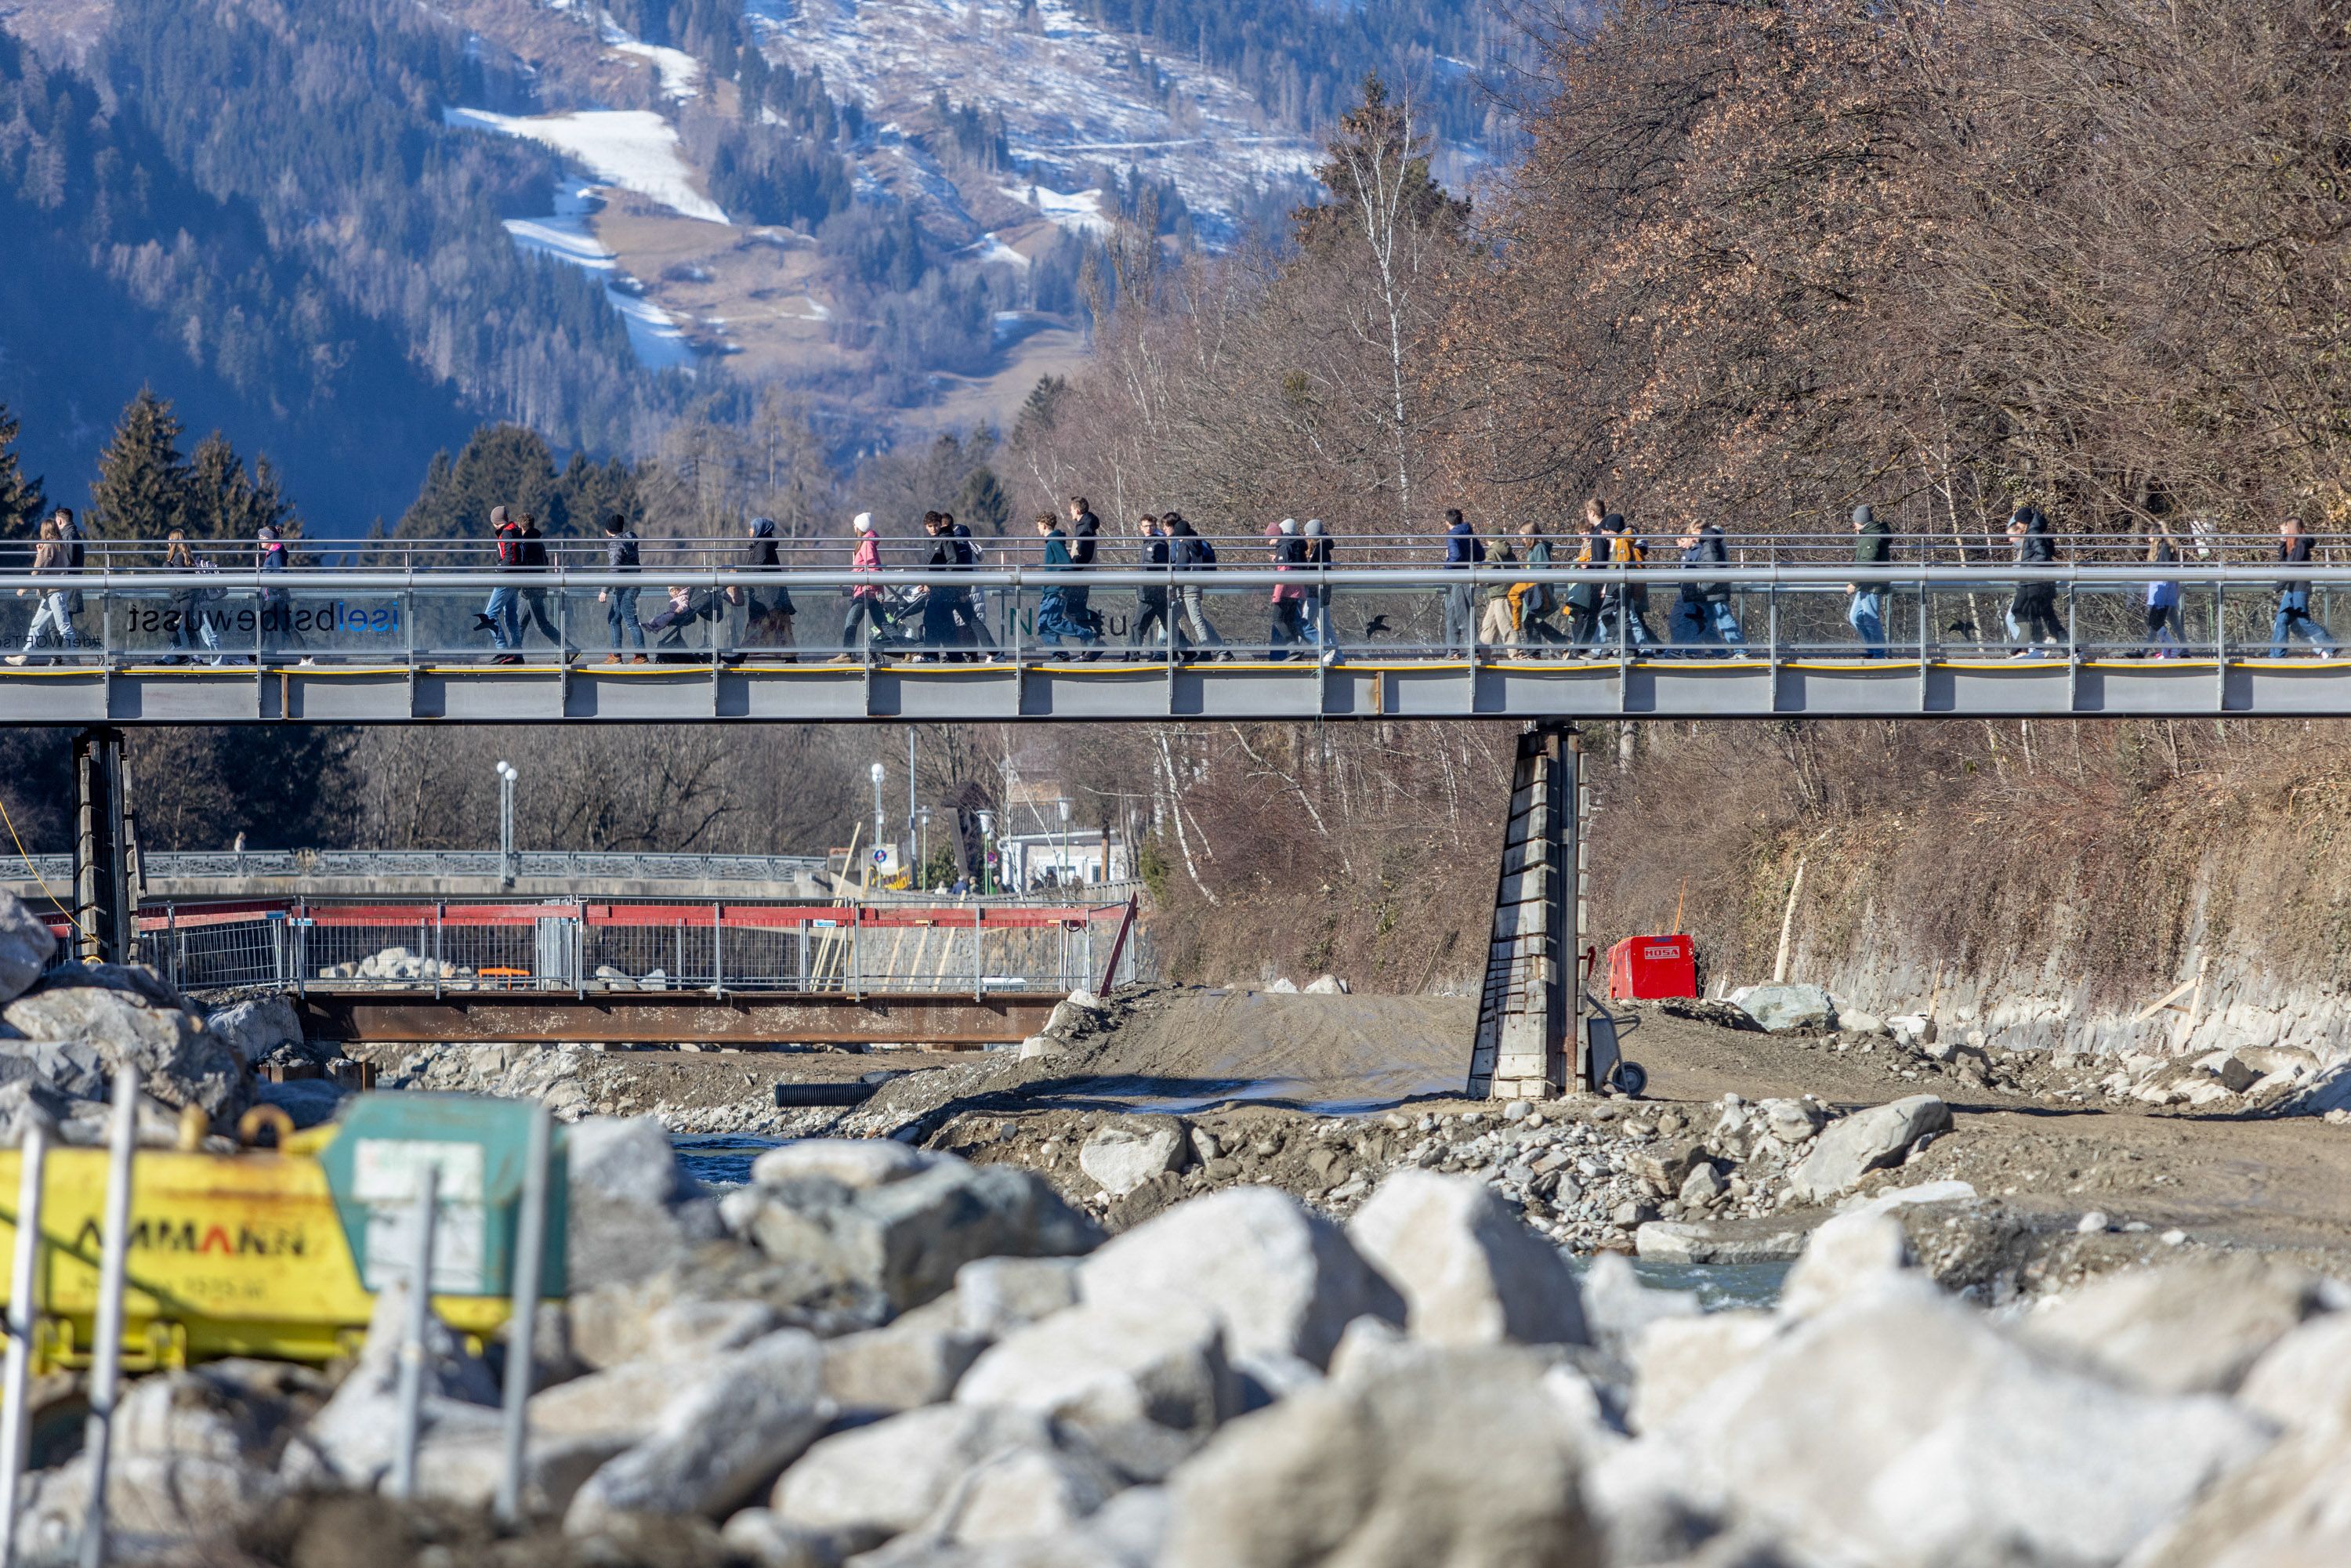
(566, 235)
(634, 149)
(1064, 87)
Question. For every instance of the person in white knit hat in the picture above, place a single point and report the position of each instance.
(864, 603)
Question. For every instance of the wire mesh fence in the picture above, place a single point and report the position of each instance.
(967, 949)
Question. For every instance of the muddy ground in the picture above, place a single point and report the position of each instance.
(1322, 1094)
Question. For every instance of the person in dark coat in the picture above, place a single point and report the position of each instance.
(767, 611)
(2032, 614)
(1463, 550)
(2294, 617)
(1873, 545)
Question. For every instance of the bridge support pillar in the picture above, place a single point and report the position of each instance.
(106, 897)
(1530, 1040)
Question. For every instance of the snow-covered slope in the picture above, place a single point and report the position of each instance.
(1068, 91)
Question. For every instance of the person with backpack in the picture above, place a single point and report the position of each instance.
(500, 616)
(1622, 603)
(1463, 550)
(766, 612)
(939, 596)
(2034, 612)
(1584, 597)
(1873, 545)
(1288, 555)
(1321, 551)
(2294, 617)
(1085, 532)
(1188, 555)
(865, 602)
(1702, 611)
(533, 601)
(70, 534)
(622, 554)
(971, 603)
(278, 631)
(1530, 601)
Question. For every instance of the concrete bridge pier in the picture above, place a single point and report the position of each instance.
(1531, 1041)
(106, 894)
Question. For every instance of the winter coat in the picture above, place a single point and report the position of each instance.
(1462, 545)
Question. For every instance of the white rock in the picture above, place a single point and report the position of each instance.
(1469, 1273)
(1865, 1141)
(751, 1413)
(858, 1163)
(1902, 1431)
(2194, 1326)
(1784, 1007)
(888, 1477)
(995, 1296)
(1127, 1151)
(629, 1158)
(1852, 1256)
(1327, 986)
(1038, 1045)
(1283, 987)
(1279, 1277)
(26, 947)
(1677, 1357)
(1454, 1457)
(914, 1362)
(1146, 1384)
(2093, 1222)
(1022, 1494)
(254, 1029)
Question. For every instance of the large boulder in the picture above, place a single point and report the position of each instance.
(179, 1063)
(1787, 1009)
(349, 1441)
(193, 1461)
(72, 1067)
(1284, 1281)
(869, 1253)
(910, 1363)
(27, 945)
(855, 1162)
(743, 1417)
(884, 1479)
(1146, 1384)
(1460, 1456)
(2193, 1327)
(1902, 1430)
(1846, 1151)
(1125, 1152)
(635, 1212)
(256, 1028)
(1469, 1271)
(996, 1295)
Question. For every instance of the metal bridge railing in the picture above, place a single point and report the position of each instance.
(395, 621)
(584, 866)
(620, 946)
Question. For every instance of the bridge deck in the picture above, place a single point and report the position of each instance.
(1501, 688)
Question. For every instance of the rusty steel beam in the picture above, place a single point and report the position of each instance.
(673, 1017)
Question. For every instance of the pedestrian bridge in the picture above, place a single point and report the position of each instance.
(376, 647)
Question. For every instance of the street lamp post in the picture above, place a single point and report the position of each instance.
(507, 777)
(1063, 805)
(987, 852)
(921, 841)
(878, 774)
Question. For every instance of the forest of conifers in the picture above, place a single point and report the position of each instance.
(1758, 263)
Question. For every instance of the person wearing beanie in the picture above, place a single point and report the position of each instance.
(2032, 611)
(1873, 545)
(502, 616)
(1316, 611)
(1463, 550)
(865, 601)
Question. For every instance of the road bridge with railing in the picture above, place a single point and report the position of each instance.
(1400, 642)
(168, 874)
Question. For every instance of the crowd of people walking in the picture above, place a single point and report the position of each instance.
(1574, 600)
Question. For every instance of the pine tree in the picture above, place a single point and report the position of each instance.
(982, 506)
(1377, 156)
(220, 492)
(141, 491)
(21, 500)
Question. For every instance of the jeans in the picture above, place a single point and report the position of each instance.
(2292, 621)
(1202, 632)
(534, 612)
(939, 619)
(51, 613)
(1459, 626)
(2161, 630)
(1868, 614)
(1286, 630)
(867, 607)
(503, 614)
(620, 614)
